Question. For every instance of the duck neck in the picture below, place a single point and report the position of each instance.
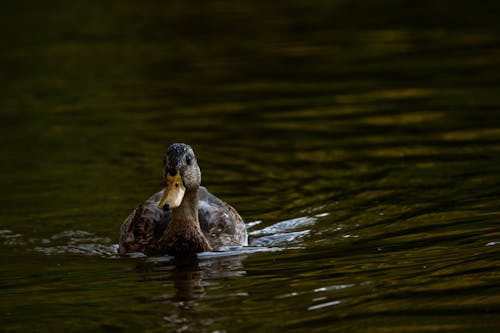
(187, 212)
(183, 235)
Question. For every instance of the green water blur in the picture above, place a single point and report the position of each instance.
(375, 123)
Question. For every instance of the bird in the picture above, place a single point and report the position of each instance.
(184, 218)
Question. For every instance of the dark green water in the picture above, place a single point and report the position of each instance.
(359, 140)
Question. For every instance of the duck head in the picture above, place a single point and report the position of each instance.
(182, 174)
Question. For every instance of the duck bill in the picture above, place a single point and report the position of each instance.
(173, 192)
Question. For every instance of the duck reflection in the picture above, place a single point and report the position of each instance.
(187, 279)
(189, 275)
(183, 284)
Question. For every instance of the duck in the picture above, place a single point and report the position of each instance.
(184, 218)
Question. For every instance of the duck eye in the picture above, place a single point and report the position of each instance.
(188, 160)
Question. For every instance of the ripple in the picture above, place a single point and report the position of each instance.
(323, 305)
(334, 287)
(283, 233)
(285, 226)
(272, 238)
(9, 238)
(87, 249)
(287, 238)
(77, 242)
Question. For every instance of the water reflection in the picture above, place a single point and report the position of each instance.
(181, 284)
(184, 273)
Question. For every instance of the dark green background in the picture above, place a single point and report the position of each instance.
(374, 126)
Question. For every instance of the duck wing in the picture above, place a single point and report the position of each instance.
(143, 228)
(221, 223)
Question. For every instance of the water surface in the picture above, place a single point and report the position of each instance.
(360, 142)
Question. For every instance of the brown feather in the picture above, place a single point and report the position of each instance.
(200, 222)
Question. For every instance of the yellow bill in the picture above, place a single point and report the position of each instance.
(173, 192)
